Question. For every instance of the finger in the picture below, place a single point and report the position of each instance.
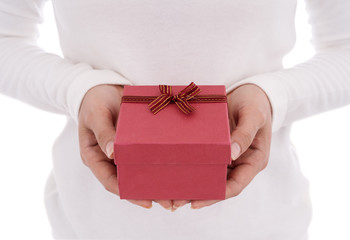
(142, 203)
(232, 120)
(245, 169)
(90, 152)
(87, 138)
(104, 171)
(250, 163)
(167, 204)
(89, 149)
(249, 122)
(197, 204)
(180, 203)
(103, 127)
(237, 180)
(243, 174)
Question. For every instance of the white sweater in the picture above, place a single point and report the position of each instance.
(228, 42)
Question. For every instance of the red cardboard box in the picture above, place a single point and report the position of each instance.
(172, 155)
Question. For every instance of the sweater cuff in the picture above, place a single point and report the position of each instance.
(84, 82)
(275, 91)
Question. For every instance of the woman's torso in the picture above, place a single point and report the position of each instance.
(171, 42)
(176, 42)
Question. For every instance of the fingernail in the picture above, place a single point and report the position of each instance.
(168, 208)
(235, 150)
(148, 207)
(175, 206)
(110, 149)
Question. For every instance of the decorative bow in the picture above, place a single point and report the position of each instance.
(180, 99)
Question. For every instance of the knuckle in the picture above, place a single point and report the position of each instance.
(246, 137)
(259, 161)
(89, 156)
(263, 164)
(109, 184)
(237, 192)
(84, 158)
(235, 188)
(107, 188)
(102, 136)
(239, 189)
(86, 162)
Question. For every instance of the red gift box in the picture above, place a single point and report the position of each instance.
(171, 154)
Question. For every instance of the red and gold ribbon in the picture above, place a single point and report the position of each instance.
(182, 99)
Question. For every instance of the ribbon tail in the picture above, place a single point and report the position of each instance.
(184, 106)
(190, 91)
(165, 89)
(159, 103)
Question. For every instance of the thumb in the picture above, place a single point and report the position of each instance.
(104, 130)
(243, 135)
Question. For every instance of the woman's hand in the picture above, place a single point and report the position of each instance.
(97, 122)
(250, 117)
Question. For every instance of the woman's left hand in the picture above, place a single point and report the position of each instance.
(250, 118)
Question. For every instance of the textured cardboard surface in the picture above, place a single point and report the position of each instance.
(176, 181)
(172, 155)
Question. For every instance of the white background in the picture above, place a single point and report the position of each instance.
(27, 135)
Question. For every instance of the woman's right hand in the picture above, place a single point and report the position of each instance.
(98, 115)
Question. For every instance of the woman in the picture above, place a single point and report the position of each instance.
(108, 44)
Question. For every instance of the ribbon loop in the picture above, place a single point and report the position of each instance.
(180, 99)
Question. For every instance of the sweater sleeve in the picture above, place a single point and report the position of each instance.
(323, 82)
(36, 77)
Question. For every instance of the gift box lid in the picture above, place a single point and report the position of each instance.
(170, 136)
